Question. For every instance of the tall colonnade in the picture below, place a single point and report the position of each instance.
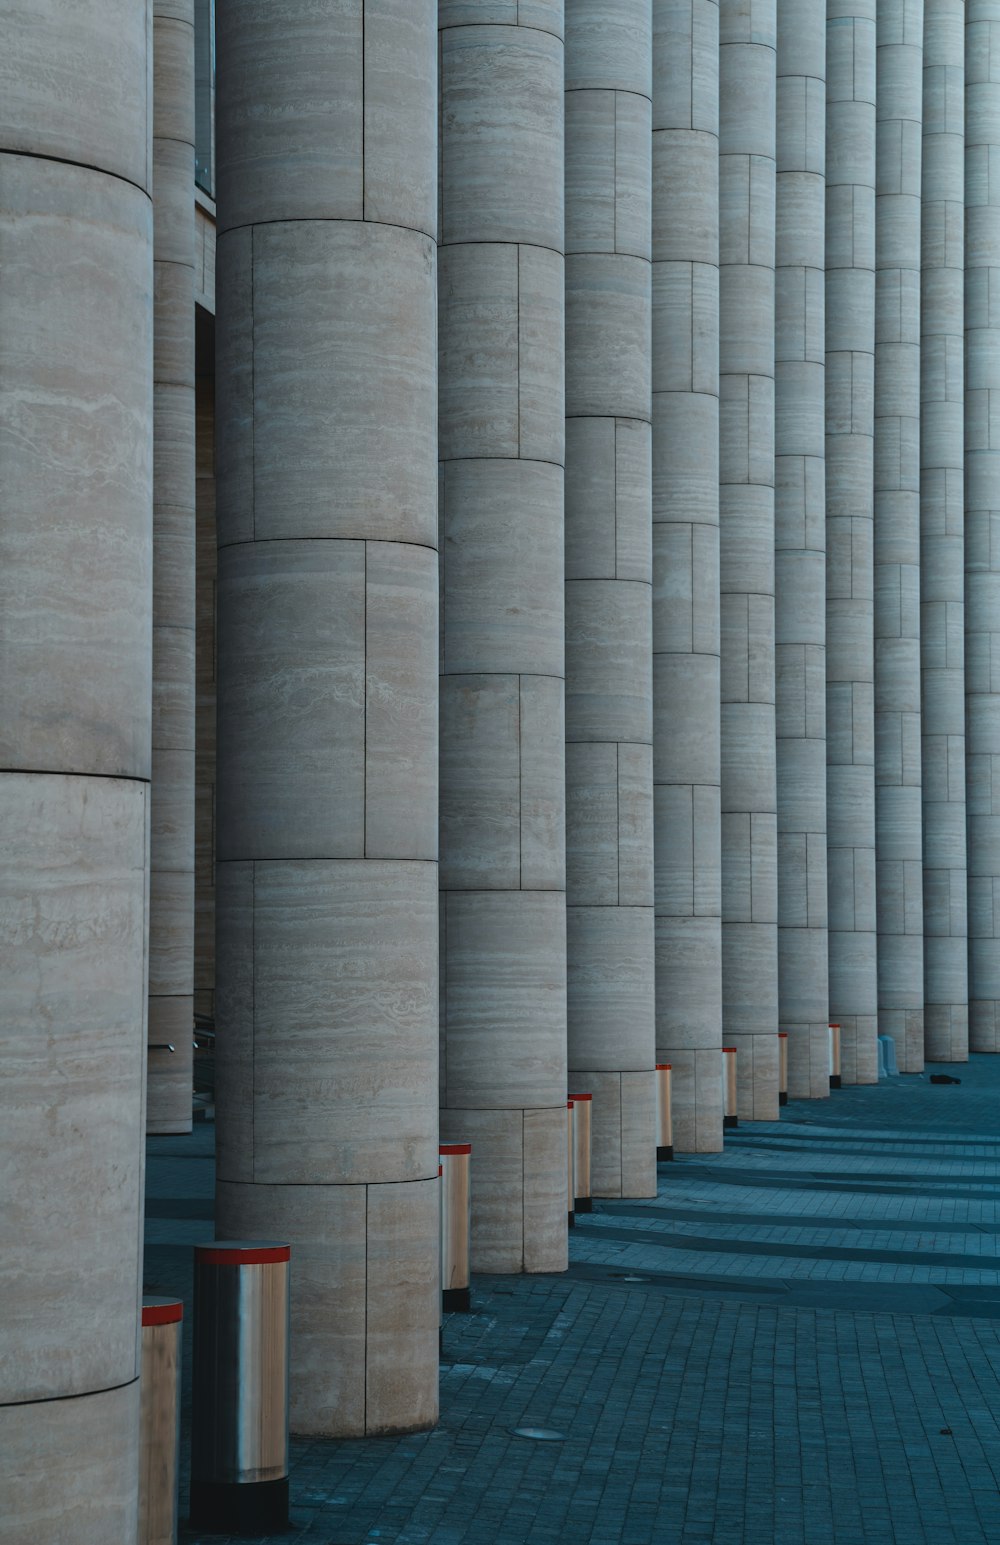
(608, 513)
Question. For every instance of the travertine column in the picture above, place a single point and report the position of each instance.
(800, 544)
(171, 861)
(942, 535)
(982, 511)
(746, 522)
(207, 563)
(850, 664)
(76, 442)
(609, 719)
(898, 841)
(686, 563)
(503, 800)
(326, 901)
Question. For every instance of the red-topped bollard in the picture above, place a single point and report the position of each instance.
(583, 1105)
(159, 1420)
(570, 1164)
(239, 1430)
(782, 1067)
(834, 1056)
(456, 1225)
(664, 1113)
(729, 1120)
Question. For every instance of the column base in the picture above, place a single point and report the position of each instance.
(730, 1123)
(664, 1153)
(571, 1220)
(782, 1097)
(584, 1204)
(834, 1080)
(229, 1507)
(455, 1300)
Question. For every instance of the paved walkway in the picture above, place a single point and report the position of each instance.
(797, 1343)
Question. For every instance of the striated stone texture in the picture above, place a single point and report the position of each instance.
(850, 427)
(609, 685)
(687, 831)
(76, 419)
(800, 544)
(747, 86)
(942, 535)
(326, 899)
(898, 831)
(501, 446)
(172, 789)
(982, 515)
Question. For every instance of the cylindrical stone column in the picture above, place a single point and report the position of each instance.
(942, 534)
(686, 564)
(171, 859)
(326, 901)
(609, 686)
(982, 514)
(747, 43)
(76, 442)
(503, 799)
(850, 649)
(800, 543)
(898, 839)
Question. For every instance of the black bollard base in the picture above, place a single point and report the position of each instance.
(664, 1152)
(227, 1507)
(455, 1300)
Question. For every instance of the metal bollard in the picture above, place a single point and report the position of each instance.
(570, 1164)
(729, 1088)
(456, 1225)
(583, 1107)
(664, 1112)
(159, 1420)
(782, 1067)
(239, 1431)
(834, 1056)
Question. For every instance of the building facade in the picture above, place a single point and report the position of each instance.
(497, 592)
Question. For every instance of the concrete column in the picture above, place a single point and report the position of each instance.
(171, 862)
(609, 685)
(503, 799)
(747, 38)
(76, 442)
(982, 511)
(942, 536)
(800, 543)
(207, 563)
(898, 836)
(686, 564)
(850, 662)
(326, 899)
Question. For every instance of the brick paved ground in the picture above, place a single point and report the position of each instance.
(811, 1356)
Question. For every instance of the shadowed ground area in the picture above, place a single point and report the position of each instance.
(796, 1343)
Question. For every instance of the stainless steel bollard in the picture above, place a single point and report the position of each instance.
(239, 1430)
(834, 1056)
(782, 1067)
(729, 1088)
(664, 1112)
(159, 1420)
(570, 1164)
(456, 1225)
(583, 1110)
